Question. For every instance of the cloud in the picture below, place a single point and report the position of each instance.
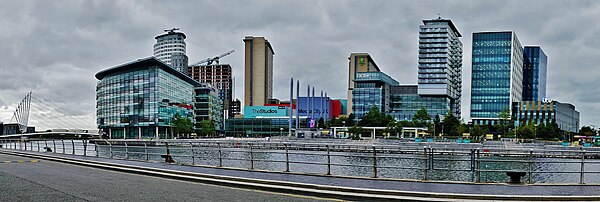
(55, 47)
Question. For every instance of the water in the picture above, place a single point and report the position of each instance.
(390, 165)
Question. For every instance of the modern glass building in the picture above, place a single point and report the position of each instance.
(207, 106)
(258, 127)
(170, 48)
(440, 62)
(535, 65)
(538, 112)
(497, 75)
(405, 102)
(358, 62)
(371, 89)
(139, 99)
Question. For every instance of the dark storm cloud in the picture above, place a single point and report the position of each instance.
(55, 47)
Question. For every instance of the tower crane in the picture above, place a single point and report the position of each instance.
(209, 61)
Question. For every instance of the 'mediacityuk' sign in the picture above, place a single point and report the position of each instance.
(264, 111)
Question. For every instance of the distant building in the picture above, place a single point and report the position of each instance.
(539, 112)
(139, 99)
(207, 106)
(236, 107)
(535, 66)
(497, 75)
(358, 62)
(371, 89)
(258, 71)
(405, 102)
(219, 77)
(440, 63)
(170, 48)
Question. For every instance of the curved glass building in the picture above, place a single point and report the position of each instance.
(170, 48)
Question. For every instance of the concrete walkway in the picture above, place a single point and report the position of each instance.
(414, 188)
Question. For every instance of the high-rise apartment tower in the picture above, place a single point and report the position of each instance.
(170, 49)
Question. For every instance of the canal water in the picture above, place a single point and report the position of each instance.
(389, 165)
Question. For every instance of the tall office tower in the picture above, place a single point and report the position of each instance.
(219, 77)
(170, 48)
(440, 61)
(358, 62)
(258, 71)
(497, 75)
(534, 73)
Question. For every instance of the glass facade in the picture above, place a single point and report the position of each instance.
(405, 102)
(139, 99)
(371, 89)
(258, 127)
(538, 112)
(535, 65)
(440, 61)
(207, 106)
(497, 75)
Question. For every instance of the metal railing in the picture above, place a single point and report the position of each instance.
(408, 161)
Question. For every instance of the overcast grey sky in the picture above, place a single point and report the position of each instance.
(54, 48)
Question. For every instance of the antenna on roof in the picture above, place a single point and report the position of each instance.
(171, 30)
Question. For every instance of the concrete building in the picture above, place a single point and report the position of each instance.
(139, 99)
(258, 71)
(535, 66)
(440, 62)
(358, 62)
(170, 48)
(219, 77)
(540, 112)
(497, 75)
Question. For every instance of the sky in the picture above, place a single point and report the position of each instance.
(54, 48)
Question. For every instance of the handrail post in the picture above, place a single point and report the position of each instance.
(374, 162)
(73, 144)
(96, 148)
(328, 160)
(63, 144)
(472, 165)
(54, 143)
(46, 143)
(146, 150)
(25, 148)
(426, 163)
(126, 150)
(431, 150)
(478, 165)
(529, 173)
(581, 174)
(84, 147)
(110, 149)
(251, 157)
(193, 154)
(287, 159)
(220, 155)
(38, 145)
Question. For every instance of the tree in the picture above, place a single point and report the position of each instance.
(355, 132)
(322, 123)
(479, 131)
(421, 118)
(394, 127)
(350, 120)
(505, 122)
(462, 128)
(182, 125)
(587, 131)
(450, 124)
(374, 118)
(208, 127)
(526, 131)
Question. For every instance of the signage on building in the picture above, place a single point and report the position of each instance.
(264, 111)
(362, 76)
(305, 110)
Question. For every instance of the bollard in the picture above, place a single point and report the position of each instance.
(251, 157)
(374, 162)
(220, 155)
(287, 159)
